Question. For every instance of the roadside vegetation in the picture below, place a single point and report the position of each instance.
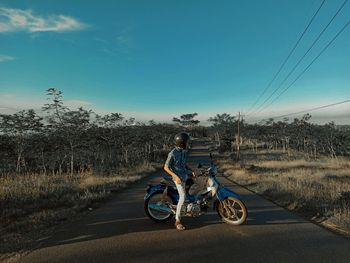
(317, 189)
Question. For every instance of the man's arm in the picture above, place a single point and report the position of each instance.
(173, 175)
(168, 163)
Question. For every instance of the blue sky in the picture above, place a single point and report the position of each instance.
(159, 59)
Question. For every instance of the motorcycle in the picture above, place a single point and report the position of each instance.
(161, 199)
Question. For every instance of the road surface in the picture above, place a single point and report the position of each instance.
(119, 231)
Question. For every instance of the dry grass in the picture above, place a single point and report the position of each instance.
(318, 189)
(32, 203)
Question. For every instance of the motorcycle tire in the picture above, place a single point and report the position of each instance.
(151, 215)
(237, 216)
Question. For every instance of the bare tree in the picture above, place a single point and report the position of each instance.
(20, 126)
(187, 120)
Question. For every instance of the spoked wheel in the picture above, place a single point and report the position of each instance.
(232, 211)
(157, 207)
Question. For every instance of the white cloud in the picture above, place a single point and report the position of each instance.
(4, 58)
(123, 40)
(24, 20)
(101, 40)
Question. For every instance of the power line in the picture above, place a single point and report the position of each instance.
(287, 58)
(309, 110)
(300, 60)
(319, 54)
(260, 107)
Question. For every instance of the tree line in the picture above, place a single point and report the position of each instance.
(68, 141)
(297, 134)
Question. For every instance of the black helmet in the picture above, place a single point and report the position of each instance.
(181, 139)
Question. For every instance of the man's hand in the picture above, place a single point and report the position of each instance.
(178, 180)
(173, 175)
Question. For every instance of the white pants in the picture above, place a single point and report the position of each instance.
(182, 196)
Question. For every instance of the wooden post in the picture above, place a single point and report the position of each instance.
(238, 139)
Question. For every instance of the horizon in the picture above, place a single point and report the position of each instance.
(317, 118)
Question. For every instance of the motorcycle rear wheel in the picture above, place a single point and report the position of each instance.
(158, 216)
(232, 211)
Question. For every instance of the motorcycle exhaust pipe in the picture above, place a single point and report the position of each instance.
(160, 208)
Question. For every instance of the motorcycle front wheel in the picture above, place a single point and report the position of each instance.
(155, 200)
(232, 211)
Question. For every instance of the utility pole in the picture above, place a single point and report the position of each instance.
(238, 135)
(238, 138)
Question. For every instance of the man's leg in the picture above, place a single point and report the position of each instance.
(182, 195)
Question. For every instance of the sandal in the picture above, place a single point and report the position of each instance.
(179, 226)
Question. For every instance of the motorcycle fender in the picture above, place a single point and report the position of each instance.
(159, 187)
(153, 188)
(223, 193)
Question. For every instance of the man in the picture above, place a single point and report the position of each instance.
(177, 168)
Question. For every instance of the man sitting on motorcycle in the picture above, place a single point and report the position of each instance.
(176, 166)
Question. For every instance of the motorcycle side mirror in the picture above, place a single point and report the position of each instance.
(199, 165)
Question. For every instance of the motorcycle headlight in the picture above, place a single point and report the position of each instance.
(212, 186)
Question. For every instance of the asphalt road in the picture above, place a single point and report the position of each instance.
(119, 231)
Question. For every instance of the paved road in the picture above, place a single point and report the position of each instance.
(120, 232)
